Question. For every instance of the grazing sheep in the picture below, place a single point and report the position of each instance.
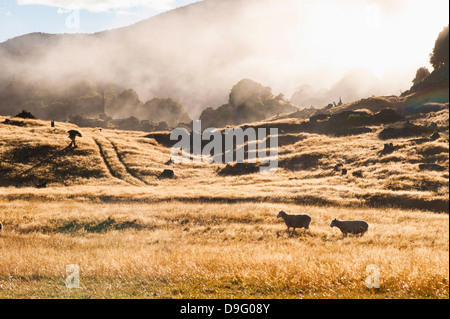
(1, 226)
(168, 173)
(351, 226)
(73, 135)
(295, 221)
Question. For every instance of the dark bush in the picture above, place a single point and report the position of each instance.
(26, 115)
(439, 57)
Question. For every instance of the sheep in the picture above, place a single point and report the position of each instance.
(295, 221)
(73, 135)
(351, 226)
(167, 173)
(1, 226)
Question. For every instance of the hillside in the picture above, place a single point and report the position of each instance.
(248, 102)
(193, 55)
(211, 231)
(140, 57)
(93, 196)
(34, 154)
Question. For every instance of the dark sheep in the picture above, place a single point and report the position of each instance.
(73, 135)
(295, 221)
(168, 173)
(355, 227)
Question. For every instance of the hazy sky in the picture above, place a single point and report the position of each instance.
(18, 17)
(349, 48)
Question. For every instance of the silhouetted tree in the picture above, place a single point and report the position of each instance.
(249, 102)
(162, 126)
(439, 57)
(247, 89)
(131, 123)
(421, 74)
(167, 110)
(25, 115)
(125, 104)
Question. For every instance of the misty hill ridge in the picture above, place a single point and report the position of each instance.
(172, 56)
(248, 102)
(163, 56)
(412, 173)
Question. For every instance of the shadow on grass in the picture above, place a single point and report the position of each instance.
(100, 227)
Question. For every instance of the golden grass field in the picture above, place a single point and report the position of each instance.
(202, 235)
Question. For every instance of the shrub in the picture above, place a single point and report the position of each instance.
(25, 115)
(439, 57)
(421, 74)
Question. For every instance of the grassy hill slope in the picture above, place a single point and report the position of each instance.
(207, 234)
(35, 155)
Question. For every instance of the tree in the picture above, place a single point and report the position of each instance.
(25, 115)
(439, 57)
(125, 104)
(248, 90)
(165, 110)
(421, 74)
(162, 126)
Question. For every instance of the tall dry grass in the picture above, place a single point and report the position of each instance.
(202, 235)
(179, 250)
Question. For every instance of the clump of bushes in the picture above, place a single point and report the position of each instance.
(26, 115)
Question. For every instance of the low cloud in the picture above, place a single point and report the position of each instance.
(314, 52)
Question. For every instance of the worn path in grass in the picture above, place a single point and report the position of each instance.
(114, 163)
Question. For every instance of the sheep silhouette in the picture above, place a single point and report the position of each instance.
(355, 227)
(295, 221)
(73, 135)
(168, 173)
